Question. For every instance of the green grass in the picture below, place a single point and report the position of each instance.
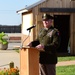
(66, 58)
(65, 70)
(17, 50)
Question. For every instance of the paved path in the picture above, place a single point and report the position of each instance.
(7, 56)
(65, 63)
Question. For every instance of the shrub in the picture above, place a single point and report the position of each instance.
(11, 71)
(3, 41)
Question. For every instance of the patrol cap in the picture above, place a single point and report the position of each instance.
(47, 17)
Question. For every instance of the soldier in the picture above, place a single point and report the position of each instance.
(47, 42)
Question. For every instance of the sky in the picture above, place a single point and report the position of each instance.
(9, 8)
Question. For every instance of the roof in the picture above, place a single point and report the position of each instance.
(26, 9)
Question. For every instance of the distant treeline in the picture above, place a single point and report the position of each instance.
(10, 29)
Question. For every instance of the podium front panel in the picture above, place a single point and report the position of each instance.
(29, 61)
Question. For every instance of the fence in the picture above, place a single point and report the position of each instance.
(10, 29)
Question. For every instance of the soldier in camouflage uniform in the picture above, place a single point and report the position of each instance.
(47, 42)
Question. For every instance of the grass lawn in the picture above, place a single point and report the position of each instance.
(17, 50)
(66, 58)
(65, 70)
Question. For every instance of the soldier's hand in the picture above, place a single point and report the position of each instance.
(40, 47)
(30, 44)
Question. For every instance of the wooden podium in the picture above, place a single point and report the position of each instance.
(29, 61)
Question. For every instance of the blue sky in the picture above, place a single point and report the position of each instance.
(8, 8)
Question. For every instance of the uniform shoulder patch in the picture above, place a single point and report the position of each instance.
(57, 31)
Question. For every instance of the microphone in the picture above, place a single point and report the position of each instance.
(31, 27)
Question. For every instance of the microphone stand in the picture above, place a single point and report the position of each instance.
(25, 39)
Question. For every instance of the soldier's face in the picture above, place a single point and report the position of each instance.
(47, 23)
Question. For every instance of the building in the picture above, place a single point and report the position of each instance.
(64, 19)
